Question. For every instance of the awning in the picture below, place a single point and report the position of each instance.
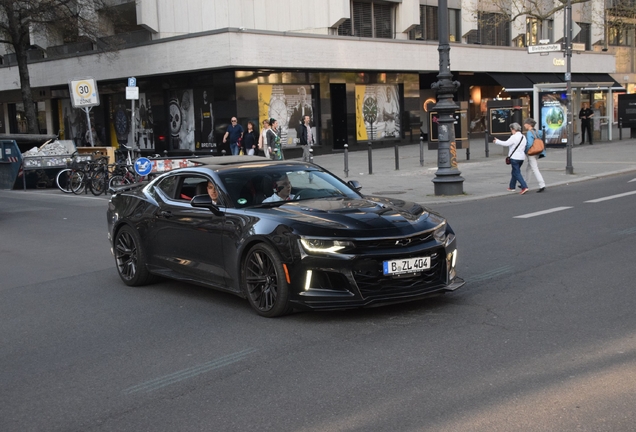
(512, 82)
(544, 78)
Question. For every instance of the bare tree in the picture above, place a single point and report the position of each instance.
(60, 20)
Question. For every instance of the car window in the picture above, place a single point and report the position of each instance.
(252, 188)
(168, 186)
(192, 186)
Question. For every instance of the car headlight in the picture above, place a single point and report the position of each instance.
(314, 245)
(440, 233)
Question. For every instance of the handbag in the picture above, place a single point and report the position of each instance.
(537, 146)
(513, 152)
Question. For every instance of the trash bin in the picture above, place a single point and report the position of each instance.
(10, 163)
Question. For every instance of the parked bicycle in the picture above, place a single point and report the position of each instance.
(90, 175)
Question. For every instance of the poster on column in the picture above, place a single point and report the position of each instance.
(553, 120)
(288, 104)
(377, 112)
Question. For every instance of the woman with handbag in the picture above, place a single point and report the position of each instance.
(533, 163)
(516, 156)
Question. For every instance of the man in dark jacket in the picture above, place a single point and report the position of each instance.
(586, 122)
(306, 137)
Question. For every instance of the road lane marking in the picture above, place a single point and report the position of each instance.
(491, 274)
(611, 197)
(188, 373)
(542, 212)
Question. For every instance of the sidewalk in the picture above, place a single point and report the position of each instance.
(483, 177)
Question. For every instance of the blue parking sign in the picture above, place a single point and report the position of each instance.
(143, 166)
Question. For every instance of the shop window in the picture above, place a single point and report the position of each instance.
(493, 29)
(369, 19)
(537, 29)
(428, 28)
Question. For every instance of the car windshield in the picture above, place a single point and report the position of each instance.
(278, 184)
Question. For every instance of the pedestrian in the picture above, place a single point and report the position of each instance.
(517, 154)
(263, 148)
(306, 138)
(234, 134)
(250, 143)
(533, 160)
(273, 140)
(586, 115)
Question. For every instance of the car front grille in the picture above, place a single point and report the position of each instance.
(366, 246)
(372, 283)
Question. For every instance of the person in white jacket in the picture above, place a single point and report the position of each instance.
(517, 153)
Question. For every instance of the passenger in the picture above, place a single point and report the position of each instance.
(282, 191)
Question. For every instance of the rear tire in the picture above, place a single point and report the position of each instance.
(117, 180)
(63, 180)
(130, 258)
(99, 182)
(264, 282)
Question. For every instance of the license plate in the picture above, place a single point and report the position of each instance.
(406, 265)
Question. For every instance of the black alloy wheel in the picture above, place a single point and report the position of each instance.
(263, 278)
(130, 257)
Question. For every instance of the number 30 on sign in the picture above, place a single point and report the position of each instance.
(83, 92)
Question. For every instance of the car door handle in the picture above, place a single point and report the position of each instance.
(166, 214)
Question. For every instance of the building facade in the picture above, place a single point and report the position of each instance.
(362, 70)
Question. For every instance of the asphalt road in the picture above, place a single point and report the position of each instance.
(541, 338)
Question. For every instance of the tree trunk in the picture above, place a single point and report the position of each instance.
(25, 88)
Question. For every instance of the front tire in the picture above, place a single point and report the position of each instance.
(130, 258)
(263, 278)
(63, 180)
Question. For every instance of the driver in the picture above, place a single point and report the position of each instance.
(282, 191)
(214, 194)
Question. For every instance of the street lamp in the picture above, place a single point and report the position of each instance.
(569, 169)
(447, 177)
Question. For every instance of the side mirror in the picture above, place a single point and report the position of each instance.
(204, 201)
(355, 185)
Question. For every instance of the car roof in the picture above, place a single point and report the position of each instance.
(220, 162)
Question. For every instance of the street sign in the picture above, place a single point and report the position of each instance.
(83, 93)
(576, 29)
(143, 166)
(132, 82)
(132, 93)
(533, 49)
(578, 47)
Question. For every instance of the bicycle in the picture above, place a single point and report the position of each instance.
(63, 178)
(91, 175)
(123, 174)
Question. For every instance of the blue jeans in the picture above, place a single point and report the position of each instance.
(234, 148)
(516, 174)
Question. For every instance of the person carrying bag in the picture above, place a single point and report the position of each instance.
(515, 157)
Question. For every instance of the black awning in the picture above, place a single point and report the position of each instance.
(512, 81)
(544, 78)
(602, 78)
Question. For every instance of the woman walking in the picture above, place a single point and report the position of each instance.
(517, 154)
(250, 143)
(263, 148)
(273, 140)
(533, 163)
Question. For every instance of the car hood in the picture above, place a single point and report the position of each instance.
(352, 217)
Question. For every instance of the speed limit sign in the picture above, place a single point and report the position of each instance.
(83, 92)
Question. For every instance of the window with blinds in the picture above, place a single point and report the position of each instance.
(494, 29)
(369, 19)
(428, 28)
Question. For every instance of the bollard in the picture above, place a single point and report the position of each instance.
(421, 152)
(165, 153)
(468, 153)
(311, 155)
(620, 128)
(486, 135)
(222, 152)
(370, 158)
(346, 160)
(397, 157)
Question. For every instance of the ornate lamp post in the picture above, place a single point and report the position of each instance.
(447, 177)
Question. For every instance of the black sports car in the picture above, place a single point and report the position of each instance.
(285, 235)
